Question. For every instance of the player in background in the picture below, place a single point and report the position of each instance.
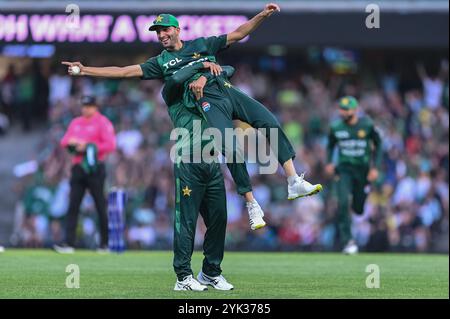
(358, 163)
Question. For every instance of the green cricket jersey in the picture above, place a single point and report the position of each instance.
(354, 143)
(174, 67)
(182, 111)
(168, 63)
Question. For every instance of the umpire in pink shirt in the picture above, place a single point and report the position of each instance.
(90, 138)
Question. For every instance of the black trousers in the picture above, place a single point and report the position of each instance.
(199, 187)
(79, 182)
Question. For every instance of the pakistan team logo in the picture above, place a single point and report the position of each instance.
(196, 55)
(361, 134)
(186, 191)
(206, 106)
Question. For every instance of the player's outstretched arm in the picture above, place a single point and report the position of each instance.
(76, 68)
(248, 27)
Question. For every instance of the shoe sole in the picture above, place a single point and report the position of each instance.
(209, 284)
(350, 253)
(216, 287)
(180, 289)
(315, 191)
(258, 226)
(64, 252)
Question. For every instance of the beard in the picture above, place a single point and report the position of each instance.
(347, 118)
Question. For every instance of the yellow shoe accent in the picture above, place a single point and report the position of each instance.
(313, 192)
(260, 226)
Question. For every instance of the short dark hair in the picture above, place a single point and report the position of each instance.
(88, 100)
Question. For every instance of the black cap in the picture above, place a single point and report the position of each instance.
(88, 100)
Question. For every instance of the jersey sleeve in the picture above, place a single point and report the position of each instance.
(151, 69)
(331, 144)
(214, 44)
(68, 135)
(107, 143)
(185, 74)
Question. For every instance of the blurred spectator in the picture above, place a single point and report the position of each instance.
(407, 210)
(25, 97)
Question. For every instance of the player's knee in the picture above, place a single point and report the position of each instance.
(223, 218)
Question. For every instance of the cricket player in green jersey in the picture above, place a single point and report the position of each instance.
(358, 163)
(227, 103)
(199, 187)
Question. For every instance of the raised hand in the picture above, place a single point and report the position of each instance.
(270, 8)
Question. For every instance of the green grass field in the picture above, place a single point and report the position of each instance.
(42, 274)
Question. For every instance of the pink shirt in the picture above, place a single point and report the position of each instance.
(97, 130)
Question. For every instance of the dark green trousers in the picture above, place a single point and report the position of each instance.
(351, 187)
(226, 104)
(199, 187)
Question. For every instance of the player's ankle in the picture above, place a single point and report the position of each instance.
(251, 203)
(291, 179)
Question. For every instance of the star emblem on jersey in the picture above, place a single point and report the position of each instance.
(227, 84)
(361, 134)
(196, 55)
(186, 191)
(158, 19)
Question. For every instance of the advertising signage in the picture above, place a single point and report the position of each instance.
(291, 29)
(106, 28)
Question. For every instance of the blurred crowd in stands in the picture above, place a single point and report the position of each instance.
(407, 210)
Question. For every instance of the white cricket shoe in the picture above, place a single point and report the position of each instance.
(255, 215)
(64, 249)
(2, 249)
(302, 188)
(351, 248)
(218, 282)
(189, 283)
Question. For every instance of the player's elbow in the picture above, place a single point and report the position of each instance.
(130, 71)
(234, 37)
(125, 73)
(230, 71)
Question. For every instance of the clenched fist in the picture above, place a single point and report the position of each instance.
(270, 8)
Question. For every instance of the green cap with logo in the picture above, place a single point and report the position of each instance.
(164, 20)
(348, 103)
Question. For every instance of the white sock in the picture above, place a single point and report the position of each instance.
(291, 179)
(252, 202)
